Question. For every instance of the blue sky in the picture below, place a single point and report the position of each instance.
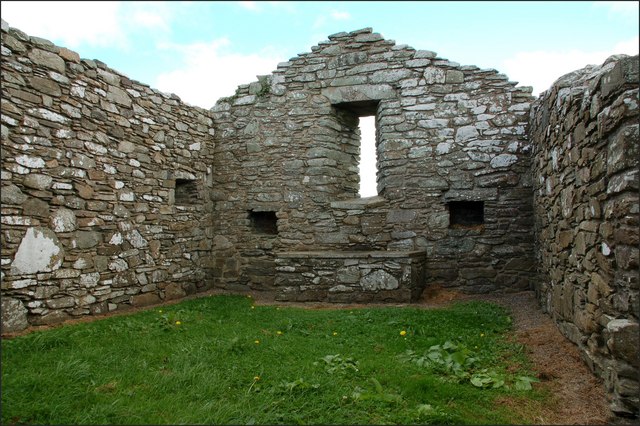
(202, 50)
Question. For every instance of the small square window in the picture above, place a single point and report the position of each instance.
(466, 214)
(264, 222)
(186, 192)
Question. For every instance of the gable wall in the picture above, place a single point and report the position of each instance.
(287, 143)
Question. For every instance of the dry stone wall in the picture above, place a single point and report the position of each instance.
(90, 161)
(116, 195)
(585, 133)
(449, 137)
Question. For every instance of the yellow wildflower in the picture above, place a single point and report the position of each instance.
(178, 323)
(256, 378)
(278, 332)
(481, 334)
(335, 333)
(403, 333)
(257, 342)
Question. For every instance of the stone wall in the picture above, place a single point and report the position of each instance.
(117, 195)
(90, 161)
(350, 276)
(585, 135)
(288, 147)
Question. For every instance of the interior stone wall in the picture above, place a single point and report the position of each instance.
(90, 161)
(288, 143)
(584, 131)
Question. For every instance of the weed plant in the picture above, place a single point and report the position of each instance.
(226, 360)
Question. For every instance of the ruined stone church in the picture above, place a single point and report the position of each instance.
(117, 195)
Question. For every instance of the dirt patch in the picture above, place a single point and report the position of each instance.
(578, 397)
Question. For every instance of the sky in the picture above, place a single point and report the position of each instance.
(202, 50)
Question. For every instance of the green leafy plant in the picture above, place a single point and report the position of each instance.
(337, 364)
(457, 361)
(449, 358)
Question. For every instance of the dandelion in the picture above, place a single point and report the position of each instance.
(178, 323)
(403, 333)
(255, 380)
(160, 311)
(253, 307)
(335, 333)
(278, 332)
(257, 342)
(481, 334)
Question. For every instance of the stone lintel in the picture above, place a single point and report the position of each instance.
(359, 93)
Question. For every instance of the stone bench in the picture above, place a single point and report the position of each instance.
(350, 276)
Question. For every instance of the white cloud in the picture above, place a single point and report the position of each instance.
(334, 15)
(208, 72)
(541, 68)
(250, 5)
(619, 7)
(340, 16)
(149, 15)
(261, 6)
(68, 23)
(628, 47)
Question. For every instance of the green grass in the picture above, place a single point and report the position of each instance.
(223, 360)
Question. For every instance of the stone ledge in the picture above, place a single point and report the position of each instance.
(339, 254)
(359, 203)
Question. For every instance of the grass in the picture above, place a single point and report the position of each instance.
(224, 360)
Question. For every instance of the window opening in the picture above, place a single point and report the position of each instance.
(264, 222)
(368, 162)
(186, 191)
(466, 214)
(364, 114)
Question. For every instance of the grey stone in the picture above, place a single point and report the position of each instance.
(47, 59)
(14, 315)
(348, 275)
(63, 220)
(11, 194)
(624, 340)
(378, 280)
(39, 251)
(87, 239)
(454, 76)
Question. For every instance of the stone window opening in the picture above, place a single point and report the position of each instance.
(186, 192)
(466, 214)
(364, 114)
(264, 222)
(367, 166)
